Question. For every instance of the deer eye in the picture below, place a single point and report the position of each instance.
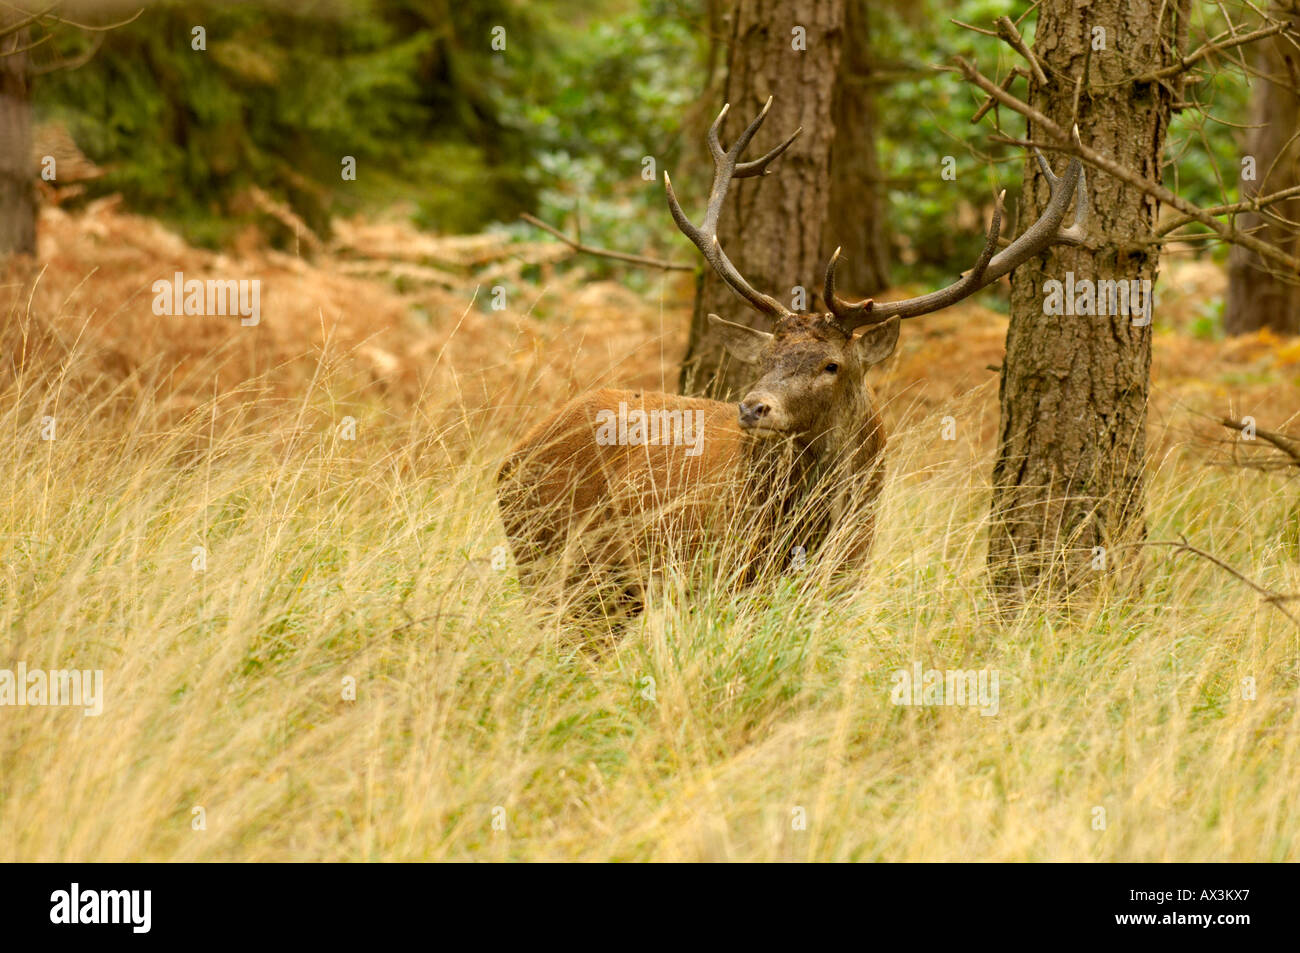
(832, 368)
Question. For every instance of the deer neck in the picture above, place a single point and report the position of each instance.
(853, 438)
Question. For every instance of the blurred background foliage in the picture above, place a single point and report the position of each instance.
(463, 137)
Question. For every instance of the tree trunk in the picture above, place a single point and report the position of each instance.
(1257, 296)
(1068, 478)
(17, 195)
(857, 217)
(772, 227)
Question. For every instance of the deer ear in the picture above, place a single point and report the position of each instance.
(742, 343)
(877, 343)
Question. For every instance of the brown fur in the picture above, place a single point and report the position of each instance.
(580, 513)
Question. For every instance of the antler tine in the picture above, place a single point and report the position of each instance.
(742, 141)
(846, 311)
(1077, 232)
(990, 243)
(726, 168)
(745, 170)
(1047, 231)
(683, 223)
(755, 167)
(853, 315)
(716, 257)
(1037, 238)
(1044, 167)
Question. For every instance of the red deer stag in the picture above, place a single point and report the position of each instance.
(615, 481)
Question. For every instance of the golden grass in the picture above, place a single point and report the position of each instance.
(718, 716)
(720, 712)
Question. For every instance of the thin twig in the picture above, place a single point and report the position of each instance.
(577, 245)
(990, 102)
(92, 28)
(1288, 445)
(1255, 204)
(71, 62)
(1007, 30)
(1249, 205)
(22, 24)
(1124, 174)
(1274, 599)
(972, 27)
(1188, 61)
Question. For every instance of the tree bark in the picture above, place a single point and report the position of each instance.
(856, 221)
(772, 227)
(1257, 296)
(17, 192)
(1068, 477)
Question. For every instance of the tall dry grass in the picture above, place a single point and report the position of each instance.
(720, 719)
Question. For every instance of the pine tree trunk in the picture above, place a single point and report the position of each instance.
(17, 195)
(772, 227)
(856, 221)
(1257, 297)
(1068, 478)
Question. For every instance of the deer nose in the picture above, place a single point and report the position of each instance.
(752, 413)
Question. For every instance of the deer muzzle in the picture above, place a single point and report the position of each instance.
(758, 413)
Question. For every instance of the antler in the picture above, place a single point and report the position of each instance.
(1038, 237)
(726, 166)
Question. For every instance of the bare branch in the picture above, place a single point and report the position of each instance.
(1288, 445)
(41, 41)
(1249, 205)
(1110, 166)
(1007, 30)
(47, 17)
(972, 27)
(23, 24)
(1191, 59)
(91, 28)
(1274, 599)
(71, 62)
(577, 245)
(990, 102)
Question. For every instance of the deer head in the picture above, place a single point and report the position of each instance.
(812, 366)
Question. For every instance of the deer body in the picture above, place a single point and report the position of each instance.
(574, 505)
(809, 465)
(593, 495)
